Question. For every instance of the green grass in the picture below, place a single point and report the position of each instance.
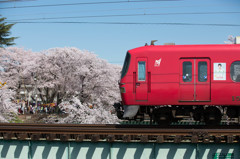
(16, 120)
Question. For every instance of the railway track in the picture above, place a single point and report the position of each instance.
(120, 133)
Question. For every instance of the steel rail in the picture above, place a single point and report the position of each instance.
(111, 133)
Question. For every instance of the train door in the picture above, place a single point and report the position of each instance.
(195, 79)
(140, 78)
(202, 81)
(187, 80)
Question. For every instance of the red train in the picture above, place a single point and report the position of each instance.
(171, 82)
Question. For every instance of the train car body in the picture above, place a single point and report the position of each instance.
(182, 76)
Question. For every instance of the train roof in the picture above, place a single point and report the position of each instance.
(180, 48)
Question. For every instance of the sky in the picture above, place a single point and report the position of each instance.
(109, 28)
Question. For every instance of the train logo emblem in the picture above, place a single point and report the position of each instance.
(157, 63)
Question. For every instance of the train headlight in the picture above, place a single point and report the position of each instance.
(122, 90)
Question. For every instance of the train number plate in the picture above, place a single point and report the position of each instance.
(235, 98)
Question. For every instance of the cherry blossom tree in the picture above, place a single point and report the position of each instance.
(17, 65)
(82, 114)
(62, 75)
(8, 109)
(70, 72)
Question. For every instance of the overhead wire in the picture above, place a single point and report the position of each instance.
(135, 23)
(15, 1)
(30, 20)
(125, 15)
(114, 9)
(85, 3)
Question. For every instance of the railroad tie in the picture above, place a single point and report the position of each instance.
(177, 139)
(79, 138)
(95, 138)
(194, 139)
(126, 138)
(144, 138)
(110, 138)
(160, 139)
(35, 137)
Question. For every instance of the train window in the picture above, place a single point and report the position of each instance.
(141, 71)
(202, 71)
(187, 71)
(126, 65)
(235, 71)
